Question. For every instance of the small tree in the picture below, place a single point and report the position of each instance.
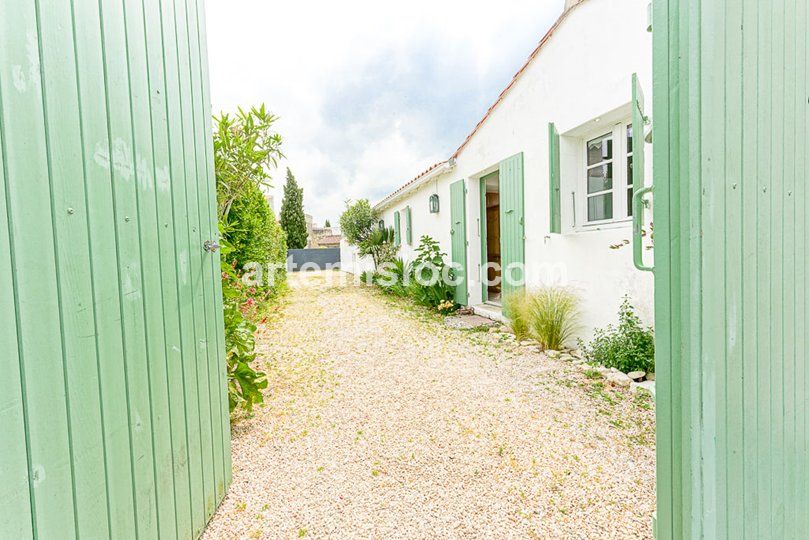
(328, 224)
(245, 149)
(358, 221)
(293, 220)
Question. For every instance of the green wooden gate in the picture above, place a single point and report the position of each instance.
(512, 224)
(458, 234)
(730, 198)
(113, 405)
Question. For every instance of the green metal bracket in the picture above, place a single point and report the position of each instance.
(638, 205)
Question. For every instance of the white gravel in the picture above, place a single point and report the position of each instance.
(380, 422)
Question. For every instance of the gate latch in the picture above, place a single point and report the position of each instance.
(210, 246)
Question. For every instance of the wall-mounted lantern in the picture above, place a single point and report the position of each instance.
(434, 206)
(382, 224)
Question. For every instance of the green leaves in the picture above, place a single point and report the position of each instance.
(358, 221)
(629, 347)
(245, 149)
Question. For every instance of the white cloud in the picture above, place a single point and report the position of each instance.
(369, 93)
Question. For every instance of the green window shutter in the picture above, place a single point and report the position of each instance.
(512, 224)
(555, 180)
(458, 232)
(409, 225)
(638, 139)
(397, 229)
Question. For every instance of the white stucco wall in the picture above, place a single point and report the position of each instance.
(582, 73)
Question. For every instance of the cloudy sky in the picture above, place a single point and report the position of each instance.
(369, 93)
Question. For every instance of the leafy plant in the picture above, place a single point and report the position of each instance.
(553, 316)
(245, 149)
(394, 277)
(549, 315)
(428, 286)
(380, 245)
(516, 306)
(293, 220)
(256, 237)
(627, 347)
(358, 221)
(244, 382)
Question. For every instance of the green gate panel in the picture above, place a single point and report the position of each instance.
(512, 224)
(113, 393)
(397, 228)
(730, 153)
(458, 234)
(555, 175)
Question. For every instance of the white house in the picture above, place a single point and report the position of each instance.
(546, 177)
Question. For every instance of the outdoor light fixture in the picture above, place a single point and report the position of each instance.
(434, 203)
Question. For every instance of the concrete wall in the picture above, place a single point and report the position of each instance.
(583, 73)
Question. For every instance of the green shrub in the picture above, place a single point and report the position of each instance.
(244, 382)
(256, 237)
(394, 277)
(553, 316)
(428, 286)
(548, 315)
(380, 245)
(629, 347)
(358, 221)
(516, 306)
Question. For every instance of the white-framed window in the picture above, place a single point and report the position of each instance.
(608, 175)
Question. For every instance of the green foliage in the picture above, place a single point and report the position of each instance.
(516, 305)
(629, 347)
(256, 237)
(328, 224)
(245, 149)
(428, 286)
(380, 245)
(293, 220)
(358, 221)
(548, 315)
(394, 277)
(244, 382)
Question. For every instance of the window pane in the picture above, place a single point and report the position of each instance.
(629, 139)
(599, 178)
(629, 170)
(599, 207)
(629, 194)
(599, 150)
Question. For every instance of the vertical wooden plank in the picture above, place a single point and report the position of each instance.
(122, 163)
(665, 357)
(733, 404)
(786, 490)
(35, 272)
(158, 66)
(173, 22)
(221, 367)
(776, 226)
(145, 182)
(96, 154)
(209, 272)
(763, 270)
(189, 105)
(64, 142)
(15, 520)
(750, 190)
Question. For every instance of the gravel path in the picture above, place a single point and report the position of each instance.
(380, 422)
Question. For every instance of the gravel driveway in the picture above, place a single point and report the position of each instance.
(381, 422)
